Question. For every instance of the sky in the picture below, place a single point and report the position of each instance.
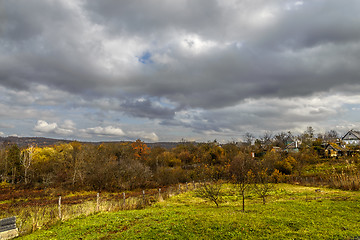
(167, 70)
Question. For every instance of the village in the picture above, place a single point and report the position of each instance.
(348, 145)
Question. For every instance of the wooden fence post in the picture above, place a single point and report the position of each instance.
(60, 215)
(144, 196)
(186, 186)
(97, 201)
(179, 188)
(194, 185)
(124, 199)
(159, 193)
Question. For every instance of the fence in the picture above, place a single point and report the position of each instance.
(36, 213)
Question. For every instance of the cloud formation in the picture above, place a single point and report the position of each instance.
(205, 69)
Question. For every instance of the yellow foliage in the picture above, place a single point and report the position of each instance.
(277, 176)
(43, 154)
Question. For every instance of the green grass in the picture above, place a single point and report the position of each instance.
(292, 212)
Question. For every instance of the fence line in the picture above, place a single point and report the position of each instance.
(34, 215)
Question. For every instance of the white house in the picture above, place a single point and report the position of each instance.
(352, 137)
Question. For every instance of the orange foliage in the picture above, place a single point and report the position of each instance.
(141, 150)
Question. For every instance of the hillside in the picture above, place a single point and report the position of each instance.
(43, 142)
(27, 141)
(292, 212)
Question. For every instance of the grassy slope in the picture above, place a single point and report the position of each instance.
(292, 212)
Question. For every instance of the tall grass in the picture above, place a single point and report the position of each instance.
(33, 215)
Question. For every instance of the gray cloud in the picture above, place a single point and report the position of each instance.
(183, 62)
(146, 109)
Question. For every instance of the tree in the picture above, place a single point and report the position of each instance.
(249, 138)
(263, 184)
(3, 165)
(310, 131)
(141, 150)
(46, 163)
(282, 139)
(242, 174)
(331, 136)
(231, 150)
(266, 139)
(308, 135)
(286, 165)
(210, 191)
(14, 162)
(27, 157)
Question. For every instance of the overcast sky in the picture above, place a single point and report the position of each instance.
(166, 70)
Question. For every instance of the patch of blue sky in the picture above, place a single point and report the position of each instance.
(352, 110)
(145, 58)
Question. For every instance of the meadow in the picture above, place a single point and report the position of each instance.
(291, 212)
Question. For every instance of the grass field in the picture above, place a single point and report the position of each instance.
(292, 212)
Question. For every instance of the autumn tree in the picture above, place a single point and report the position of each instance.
(13, 159)
(45, 166)
(101, 169)
(270, 159)
(231, 150)
(154, 159)
(141, 150)
(286, 165)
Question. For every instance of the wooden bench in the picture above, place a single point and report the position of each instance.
(8, 228)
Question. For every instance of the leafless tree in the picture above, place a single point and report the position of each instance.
(263, 184)
(26, 161)
(249, 138)
(241, 173)
(210, 191)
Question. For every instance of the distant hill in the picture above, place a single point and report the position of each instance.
(27, 141)
(43, 142)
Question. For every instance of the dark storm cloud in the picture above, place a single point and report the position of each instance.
(276, 60)
(203, 56)
(304, 49)
(44, 42)
(150, 18)
(147, 109)
(315, 23)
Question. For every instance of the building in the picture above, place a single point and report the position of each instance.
(292, 147)
(334, 150)
(352, 137)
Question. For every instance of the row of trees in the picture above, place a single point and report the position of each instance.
(134, 165)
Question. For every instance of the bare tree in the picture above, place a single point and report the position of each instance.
(210, 191)
(249, 138)
(283, 138)
(241, 173)
(331, 135)
(266, 139)
(27, 157)
(263, 185)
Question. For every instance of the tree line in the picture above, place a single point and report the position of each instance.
(132, 165)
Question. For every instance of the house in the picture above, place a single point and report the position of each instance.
(335, 150)
(292, 147)
(352, 137)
